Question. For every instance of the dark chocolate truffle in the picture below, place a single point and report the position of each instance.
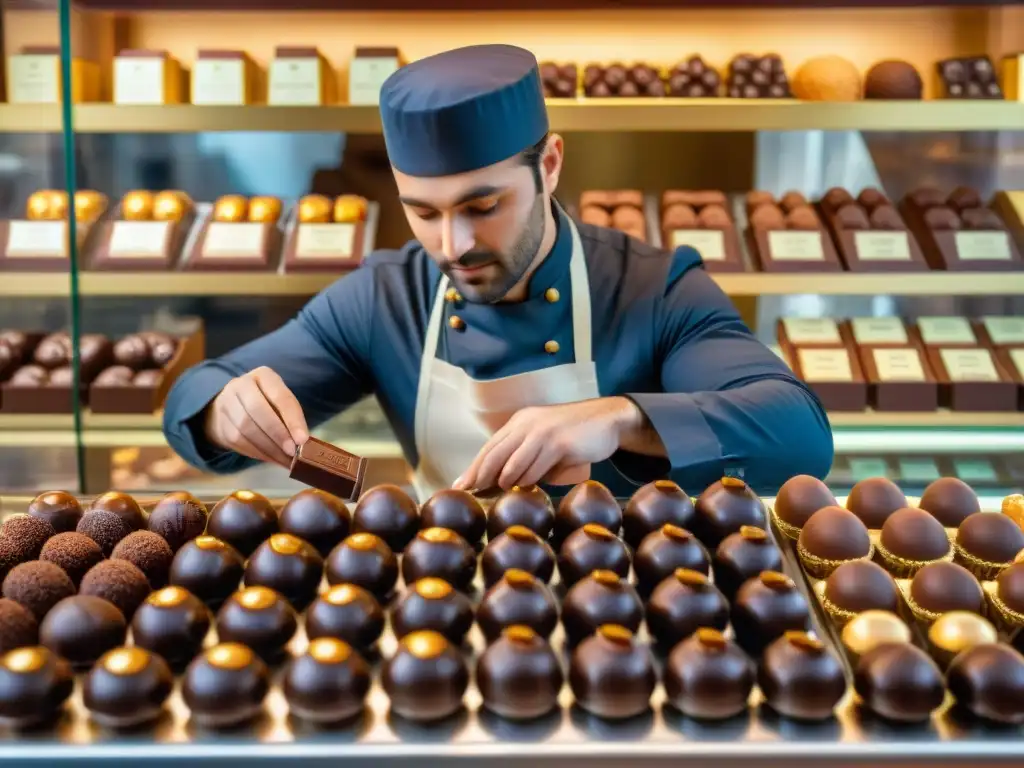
(457, 511)
(518, 599)
(899, 682)
(244, 519)
(1010, 589)
(985, 544)
(988, 681)
(519, 675)
(683, 603)
(127, 687)
(388, 512)
(942, 587)
(59, 508)
(708, 677)
(591, 548)
(209, 568)
(317, 517)
(612, 675)
(118, 582)
(801, 678)
(81, 628)
(765, 608)
(132, 351)
(830, 537)
(173, 623)
(528, 506)
(365, 560)
(663, 551)
(225, 686)
(34, 684)
(289, 566)
(18, 627)
(76, 553)
(859, 586)
(442, 554)
(179, 517)
(653, 506)
(328, 683)
(874, 499)
(348, 613)
(518, 547)
(259, 618)
(38, 586)
(893, 79)
(950, 501)
(724, 508)
(434, 605)
(426, 678)
(105, 528)
(147, 552)
(910, 538)
(601, 598)
(798, 499)
(742, 556)
(588, 502)
(122, 505)
(30, 533)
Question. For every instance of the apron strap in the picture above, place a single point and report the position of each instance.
(580, 289)
(426, 365)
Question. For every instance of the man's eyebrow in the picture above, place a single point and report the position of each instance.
(474, 194)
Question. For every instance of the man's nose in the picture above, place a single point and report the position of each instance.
(456, 237)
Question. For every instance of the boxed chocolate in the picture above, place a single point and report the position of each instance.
(237, 233)
(822, 354)
(701, 219)
(1009, 204)
(40, 241)
(968, 77)
(621, 209)
(869, 232)
(972, 379)
(1012, 360)
(898, 374)
(559, 81)
(43, 382)
(694, 79)
(757, 77)
(146, 232)
(816, 332)
(788, 235)
(328, 234)
(619, 80)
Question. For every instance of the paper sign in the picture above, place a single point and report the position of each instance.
(710, 243)
(1005, 330)
(34, 78)
(366, 74)
(920, 470)
(878, 330)
(795, 246)
(295, 82)
(218, 81)
(899, 365)
(975, 470)
(969, 364)
(234, 240)
(37, 239)
(819, 365)
(983, 246)
(811, 330)
(325, 241)
(139, 80)
(946, 330)
(863, 468)
(139, 239)
(882, 246)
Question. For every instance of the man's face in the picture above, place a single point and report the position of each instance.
(483, 228)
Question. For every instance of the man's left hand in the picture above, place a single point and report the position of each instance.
(549, 442)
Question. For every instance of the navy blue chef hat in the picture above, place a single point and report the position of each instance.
(462, 110)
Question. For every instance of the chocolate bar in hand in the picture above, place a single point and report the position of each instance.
(329, 468)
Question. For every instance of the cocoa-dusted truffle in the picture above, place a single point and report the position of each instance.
(859, 586)
(765, 608)
(433, 604)
(457, 511)
(29, 533)
(259, 618)
(893, 79)
(830, 537)
(683, 603)
(328, 683)
(588, 502)
(653, 506)
(518, 547)
(18, 626)
(127, 687)
(244, 519)
(942, 587)
(365, 560)
(742, 556)
(988, 681)
(798, 499)
(76, 553)
(122, 505)
(289, 566)
(81, 628)
(178, 517)
(38, 586)
(663, 551)
(724, 508)
(950, 500)
(317, 517)
(874, 499)
(426, 678)
(173, 623)
(528, 506)
(118, 582)
(519, 675)
(899, 682)
(601, 598)
(518, 599)
(986, 544)
(59, 508)
(105, 528)
(800, 677)
(910, 539)
(34, 684)
(440, 553)
(225, 686)
(147, 552)
(346, 612)
(589, 549)
(708, 677)
(209, 568)
(388, 512)
(611, 674)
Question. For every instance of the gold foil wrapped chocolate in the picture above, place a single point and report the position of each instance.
(137, 205)
(315, 209)
(231, 209)
(264, 209)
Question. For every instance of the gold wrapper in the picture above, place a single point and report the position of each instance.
(1005, 618)
(1013, 507)
(786, 529)
(983, 569)
(922, 617)
(901, 567)
(819, 567)
(840, 616)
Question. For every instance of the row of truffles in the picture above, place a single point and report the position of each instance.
(52, 205)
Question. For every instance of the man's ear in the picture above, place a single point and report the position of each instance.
(551, 161)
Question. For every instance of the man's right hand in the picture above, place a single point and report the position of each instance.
(257, 416)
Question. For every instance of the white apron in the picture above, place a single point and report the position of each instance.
(456, 414)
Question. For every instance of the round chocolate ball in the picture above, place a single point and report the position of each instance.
(683, 603)
(519, 599)
(988, 681)
(348, 613)
(874, 499)
(127, 687)
(1010, 588)
(244, 519)
(457, 511)
(871, 628)
(81, 628)
(603, 597)
(765, 608)
(149, 553)
(34, 684)
(259, 618)
(289, 566)
(832, 536)
(742, 556)
(591, 548)
(655, 505)
(893, 79)
(956, 631)
(18, 627)
(317, 517)
(225, 686)
(611, 674)
(991, 539)
(724, 508)
(707, 677)
(122, 505)
(520, 548)
(942, 587)
(589, 502)
(913, 535)
(74, 552)
(387, 511)
(439, 553)
(860, 586)
(178, 517)
(899, 682)
(30, 533)
(800, 678)
(118, 582)
(663, 551)
(950, 501)
(365, 560)
(53, 351)
(209, 568)
(527, 506)
(172, 623)
(59, 508)
(132, 351)
(519, 675)
(426, 678)
(434, 605)
(38, 586)
(328, 683)
(105, 528)
(798, 499)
